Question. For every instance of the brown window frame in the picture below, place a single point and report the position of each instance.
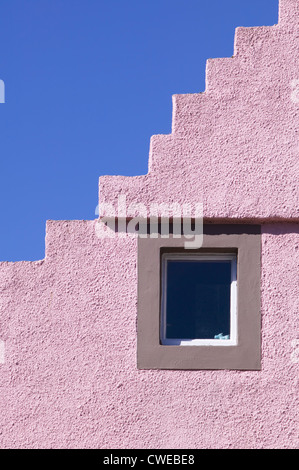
(245, 240)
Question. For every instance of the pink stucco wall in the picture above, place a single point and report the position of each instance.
(235, 146)
(68, 322)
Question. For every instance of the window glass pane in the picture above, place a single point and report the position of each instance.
(198, 299)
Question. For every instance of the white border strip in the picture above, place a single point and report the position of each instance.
(233, 341)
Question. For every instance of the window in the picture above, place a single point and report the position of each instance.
(200, 308)
(199, 299)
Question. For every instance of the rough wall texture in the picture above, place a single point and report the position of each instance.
(70, 376)
(235, 146)
(70, 379)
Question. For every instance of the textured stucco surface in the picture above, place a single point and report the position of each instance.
(70, 378)
(235, 146)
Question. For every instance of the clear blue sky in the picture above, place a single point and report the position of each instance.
(87, 84)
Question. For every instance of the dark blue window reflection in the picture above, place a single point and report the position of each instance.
(198, 299)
